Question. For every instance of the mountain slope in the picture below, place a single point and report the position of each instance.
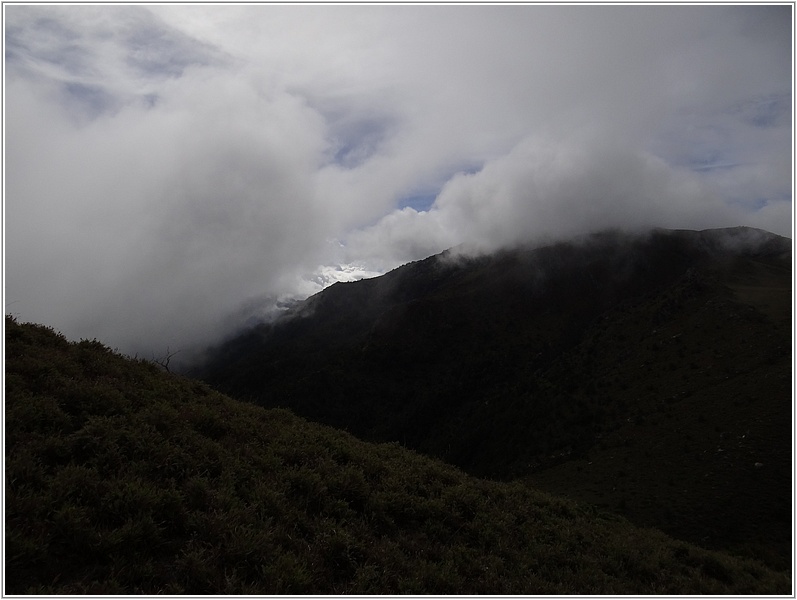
(122, 479)
(508, 365)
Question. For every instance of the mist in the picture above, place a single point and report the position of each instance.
(172, 172)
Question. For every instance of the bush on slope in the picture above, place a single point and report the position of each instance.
(123, 479)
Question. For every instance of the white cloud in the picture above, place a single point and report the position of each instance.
(545, 189)
(169, 167)
(151, 221)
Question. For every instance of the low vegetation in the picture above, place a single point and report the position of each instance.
(124, 479)
(647, 375)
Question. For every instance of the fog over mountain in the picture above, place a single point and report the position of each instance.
(174, 171)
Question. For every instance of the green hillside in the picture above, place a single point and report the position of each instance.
(123, 479)
(646, 374)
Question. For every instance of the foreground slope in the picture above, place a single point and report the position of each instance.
(645, 373)
(123, 479)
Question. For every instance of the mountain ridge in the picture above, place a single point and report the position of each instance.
(509, 364)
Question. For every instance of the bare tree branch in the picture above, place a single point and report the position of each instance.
(165, 360)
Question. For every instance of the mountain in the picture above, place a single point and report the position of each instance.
(647, 374)
(123, 479)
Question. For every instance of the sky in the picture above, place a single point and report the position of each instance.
(172, 172)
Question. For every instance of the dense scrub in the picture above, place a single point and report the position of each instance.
(123, 479)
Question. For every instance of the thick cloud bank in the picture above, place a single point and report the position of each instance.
(172, 171)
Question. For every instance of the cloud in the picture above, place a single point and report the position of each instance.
(172, 169)
(153, 223)
(547, 189)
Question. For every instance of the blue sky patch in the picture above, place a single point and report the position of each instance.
(755, 204)
(355, 140)
(767, 111)
(714, 166)
(155, 49)
(90, 100)
(419, 202)
(51, 42)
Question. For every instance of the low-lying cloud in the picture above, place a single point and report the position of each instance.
(544, 190)
(172, 171)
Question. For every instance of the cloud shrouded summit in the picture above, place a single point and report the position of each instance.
(173, 170)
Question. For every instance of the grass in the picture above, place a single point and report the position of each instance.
(124, 479)
(643, 375)
(704, 395)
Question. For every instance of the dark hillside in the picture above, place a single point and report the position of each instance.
(123, 479)
(705, 447)
(528, 361)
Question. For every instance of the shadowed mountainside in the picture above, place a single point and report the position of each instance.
(123, 479)
(644, 373)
